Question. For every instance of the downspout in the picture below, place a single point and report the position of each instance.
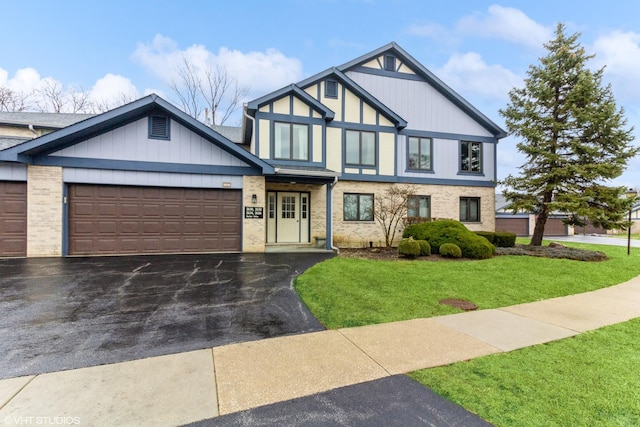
(253, 126)
(35, 134)
(330, 235)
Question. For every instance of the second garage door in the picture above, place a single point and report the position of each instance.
(13, 218)
(107, 220)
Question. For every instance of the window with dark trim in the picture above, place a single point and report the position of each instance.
(471, 156)
(360, 148)
(419, 152)
(159, 127)
(291, 141)
(331, 89)
(358, 207)
(470, 209)
(389, 63)
(419, 207)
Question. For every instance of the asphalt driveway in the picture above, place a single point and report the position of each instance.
(65, 313)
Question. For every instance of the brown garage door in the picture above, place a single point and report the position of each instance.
(555, 227)
(519, 226)
(13, 218)
(126, 220)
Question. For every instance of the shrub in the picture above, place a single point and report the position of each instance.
(450, 250)
(409, 248)
(425, 247)
(475, 247)
(489, 235)
(505, 239)
(444, 231)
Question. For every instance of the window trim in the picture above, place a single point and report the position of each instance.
(167, 135)
(328, 94)
(358, 213)
(480, 160)
(419, 196)
(291, 158)
(419, 169)
(478, 199)
(375, 149)
(389, 63)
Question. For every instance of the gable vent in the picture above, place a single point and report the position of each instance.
(159, 127)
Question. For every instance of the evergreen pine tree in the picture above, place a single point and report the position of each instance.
(574, 138)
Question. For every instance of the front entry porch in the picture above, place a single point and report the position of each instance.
(288, 217)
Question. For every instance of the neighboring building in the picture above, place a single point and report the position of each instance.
(523, 223)
(307, 166)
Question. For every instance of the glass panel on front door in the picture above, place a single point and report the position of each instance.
(289, 207)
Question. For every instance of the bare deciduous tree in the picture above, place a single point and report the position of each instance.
(390, 208)
(210, 92)
(53, 97)
(13, 101)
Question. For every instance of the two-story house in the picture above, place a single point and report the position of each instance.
(309, 162)
(338, 139)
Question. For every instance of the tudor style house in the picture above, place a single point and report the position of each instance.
(306, 168)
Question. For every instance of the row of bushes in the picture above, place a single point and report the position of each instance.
(500, 239)
(441, 232)
(414, 248)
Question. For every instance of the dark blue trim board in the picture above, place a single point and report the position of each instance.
(414, 180)
(452, 136)
(85, 163)
(65, 219)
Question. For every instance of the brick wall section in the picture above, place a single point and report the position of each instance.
(44, 211)
(445, 203)
(253, 229)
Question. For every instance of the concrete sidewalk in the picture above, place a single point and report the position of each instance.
(187, 387)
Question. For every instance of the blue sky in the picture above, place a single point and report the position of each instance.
(481, 49)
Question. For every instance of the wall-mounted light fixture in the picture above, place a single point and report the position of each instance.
(254, 198)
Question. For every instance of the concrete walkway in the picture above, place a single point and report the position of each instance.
(187, 387)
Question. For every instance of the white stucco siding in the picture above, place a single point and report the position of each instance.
(131, 143)
(419, 104)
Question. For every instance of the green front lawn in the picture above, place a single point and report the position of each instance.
(345, 292)
(592, 379)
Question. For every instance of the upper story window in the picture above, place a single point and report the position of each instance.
(159, 127)
(469, 209)
(291, 141)
(360, 148)
(389, 62)
(471, 156)
(419, 151)
(331, 89)
(419, 207)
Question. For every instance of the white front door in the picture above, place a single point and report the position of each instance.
(288, 217)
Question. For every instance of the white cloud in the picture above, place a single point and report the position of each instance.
(620, 52)
(25, 80)
(469, 73)
(435, 32)
(113, 89)
(506, 23)
(262, 71)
